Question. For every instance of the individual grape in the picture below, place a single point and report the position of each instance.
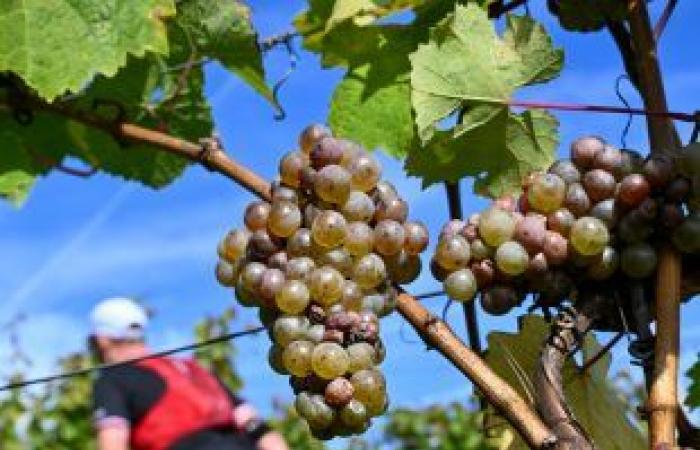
(365, 171)
(511, 258)
(234, 245)
(251, 276)
(671, 216)
(339, 392)
(633, 190)
(638, 260)
(315, 333)
(546, 193)
(479, 250)
(554, 287)
(323, 416)
(589, 236)
(339, 259)
(278, 260)
(310, 136)
(304, 405)
(416, 237)
(566, 170)
(555, 247)
(529, 232)
(609, 160)
(255, 216)
(451, 228)
(226, 273)
(577, 200)
(631, 162)
(244, 296)
(270, 284)
(537, 266)
(359, 239)
(329, 360)
(460, 285)
(648, 209)
(453, 252)
(281, 192)
(332, 184)
(300, 243)
(605, 264)
(484, 272)
(658, 170)
(307, 179)
(378, 405)
(352, 295)
(327, 151)
(383, 191)
(686, 237)
(290, 168)
(606, 211)
(274, 358)
(585, 149)
(394, 208)
(599, 185)
(633, 228)
(677, 190)
(292, 297)
(329, 229)
(438, 272)
(297, 357)
(359, 207)
(369, 271)
(284, 219)
(354, 415)
(561, 221)
(499, 300)
(470, 232)
(403, 267)
(262, 245)
(287, 329)
(496, 226)
(299, 268)
(361, 356)
(389, 237)
(369, 384)
(325, 285)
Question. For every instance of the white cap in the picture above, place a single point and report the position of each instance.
(118, 318)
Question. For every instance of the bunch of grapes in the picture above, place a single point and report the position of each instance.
(321, 261)
(593, 222)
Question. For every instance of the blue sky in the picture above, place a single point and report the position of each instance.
(76, 241)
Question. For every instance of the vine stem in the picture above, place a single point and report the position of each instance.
(435, 332)
(663, 395)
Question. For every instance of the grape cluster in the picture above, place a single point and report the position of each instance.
(593, 222)
(321, 261)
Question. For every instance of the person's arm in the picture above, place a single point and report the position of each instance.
(113, 438)
(246, 419)
(111, 415)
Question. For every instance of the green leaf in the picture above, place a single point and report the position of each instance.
(693, 399)
(467, 64)
(59, 45)
(499, 154)
(591, 396)
(221, 30)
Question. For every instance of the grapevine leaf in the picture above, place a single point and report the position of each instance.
(59, 45)
(467, 64)
(693, 399)
(499, 154)
(221, 30)
(591, 395)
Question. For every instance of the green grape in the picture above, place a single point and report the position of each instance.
(351, 299)
(297, 358)
(496, 226)
(292, 297)
(329, 360)
(416, 238)
(479, 250)
(453, 252)
(284, 219)
(589, 236)
(389, 237)
(251, 276)
(290, 168)
(638, 260)
(299, 268)
(226, 273)
(461, 285)
(365, 171)
(315, 333)
(323, 416)
(377, 405)
(369, 384)
(244, 296)
(234, 245)
(369, 271)
(403, 267)
(354, 415)
(359, 239)
(546, 193)
(304, 405)
(255, 216)
(339, 259)
(286, 329)
(605, 264)
(359, 207)
(325, 285)
(310, 136)
(361, 356)
(300, 243)
(274, 357)
(512, 258)
(329, 229)
(332, 184)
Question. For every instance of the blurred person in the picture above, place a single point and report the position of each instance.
(163, 403)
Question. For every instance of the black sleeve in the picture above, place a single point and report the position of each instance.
(110, 401)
